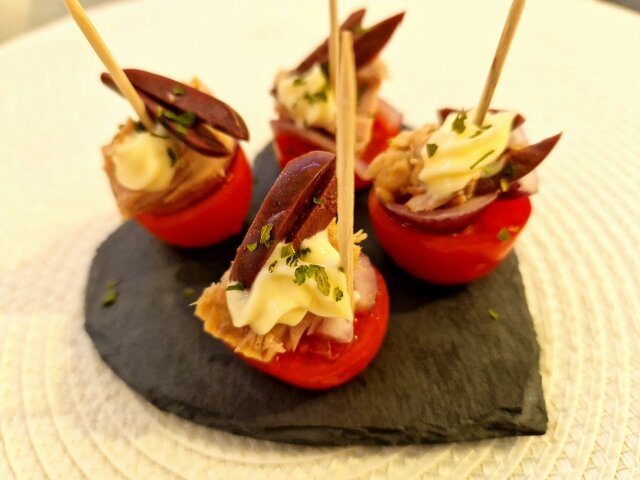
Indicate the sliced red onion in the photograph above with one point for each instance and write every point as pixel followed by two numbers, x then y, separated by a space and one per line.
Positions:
pixel 444 220
pixel 323 142
pixel 365 284
pixel 338 329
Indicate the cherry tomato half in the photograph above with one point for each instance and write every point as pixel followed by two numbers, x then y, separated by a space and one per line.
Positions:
pixel 211 219
pixel 454 258
pixel 289 146
pixel 318 363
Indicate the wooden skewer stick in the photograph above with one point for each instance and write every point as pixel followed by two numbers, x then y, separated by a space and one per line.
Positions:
pixel 509 30
pixel 334 43
pixel 346 140
pixel 118 75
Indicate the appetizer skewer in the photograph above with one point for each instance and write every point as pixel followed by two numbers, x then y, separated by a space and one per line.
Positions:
pixel 179 171
pixel 450 199
pixel 305 98
pixel 300 301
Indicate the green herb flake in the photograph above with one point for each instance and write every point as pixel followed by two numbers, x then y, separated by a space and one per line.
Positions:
pixel 300 274
pixel 481 159
pixel 318 201
pixel 493 314
pixel 235 286
pixel 432 148
pixel 188 292
pixel 305 251
pixel 286 251
pixel 503 235
pixel 292 260
pixel 139 127
pixel 338 294
pixel 317 97
pixel 111 294
pixel 252 246
pixel 178 91
pixel 477 134
pixel 172 156
pixel 299 81
pixel 158 136
pixel 504 185
pixel 265 234
pixel 509 170
pixel 322 281
pixel 272 266
pixel 458 124
pixel 186 119
pixel 181 130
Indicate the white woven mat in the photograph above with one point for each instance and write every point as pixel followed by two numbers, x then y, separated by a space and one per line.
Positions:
pixel 574 66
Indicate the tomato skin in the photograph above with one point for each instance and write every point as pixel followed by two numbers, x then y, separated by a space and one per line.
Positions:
pixel 210 220
pixel 288 147
pixel 316 372
pixel 456 258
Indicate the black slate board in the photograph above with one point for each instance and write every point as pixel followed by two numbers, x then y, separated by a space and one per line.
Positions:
pixel 447 371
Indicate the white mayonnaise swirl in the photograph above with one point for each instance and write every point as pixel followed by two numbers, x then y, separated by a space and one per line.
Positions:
pixel 308 98
pixel 459 152
pixel 144 161
pixel 275 297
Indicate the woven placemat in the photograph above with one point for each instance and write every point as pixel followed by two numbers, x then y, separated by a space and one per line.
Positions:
pixel 64 414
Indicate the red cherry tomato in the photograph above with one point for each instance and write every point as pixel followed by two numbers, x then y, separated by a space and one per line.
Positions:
pixel 288 146
pixel 452 258
pixel 318 363
pixel 211 219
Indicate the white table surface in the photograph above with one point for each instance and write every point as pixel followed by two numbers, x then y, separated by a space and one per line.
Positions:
pixel 574 67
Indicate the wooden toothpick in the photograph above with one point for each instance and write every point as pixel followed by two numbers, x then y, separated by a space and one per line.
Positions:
pixel 118 75
pixel 346 140
pixel 334 40
pixel 508 32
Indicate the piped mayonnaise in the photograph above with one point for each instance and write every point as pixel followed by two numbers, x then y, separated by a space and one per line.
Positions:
pixel 459 152
pixel 308 98
pixel 144 161
pixel 276 298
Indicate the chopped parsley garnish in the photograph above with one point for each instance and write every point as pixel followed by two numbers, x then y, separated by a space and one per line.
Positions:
pixel 181 130
pixel 508 170
pixel 272 266
pixel 493 314
pixel 110 295
pixel 480 130
pixel 504 185
pixel 292 260
pixel 318 273
pixel 265 234
pixel 252 246
pixel 172 156
pixel 481 159
pixel 312 98
pixel 178 91
pixel 286 251
pixel 338 294
pixel 318 201
pixel 458 124
pixel 186 119
pixel 236 286
pixel 188 292
pixel 503 235
pixel 299 81
pixel 432 148
pixel 305 250
pixel 322 280
pixel 139 127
